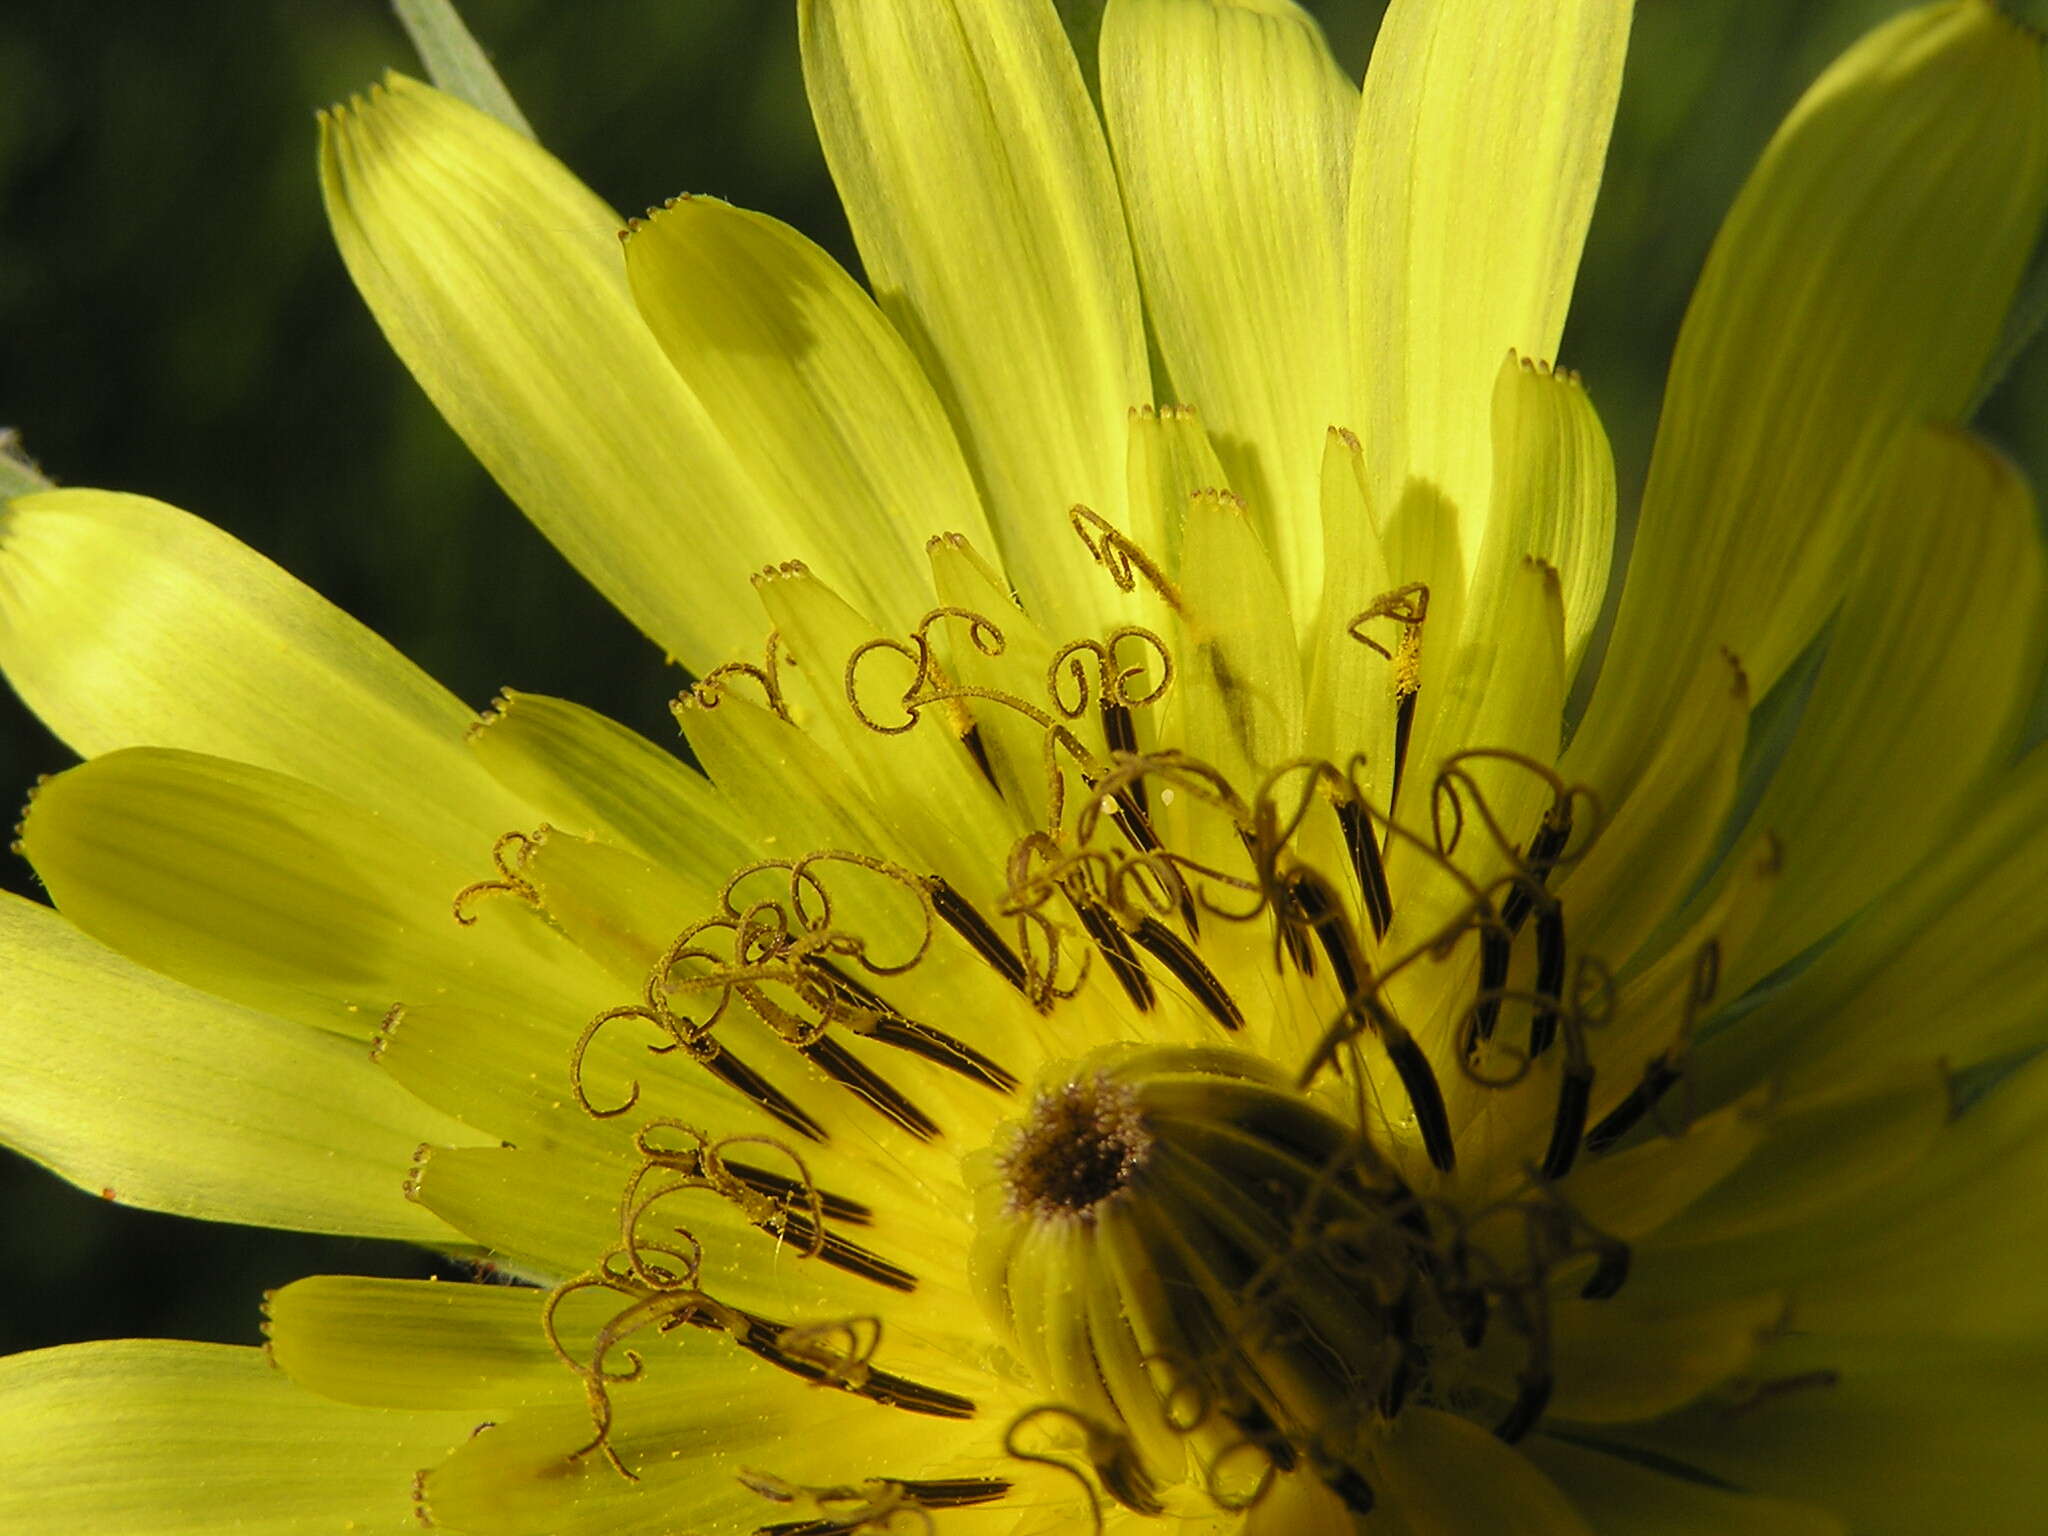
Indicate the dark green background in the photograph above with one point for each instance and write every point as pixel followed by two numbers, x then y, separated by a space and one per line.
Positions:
pixel 173 320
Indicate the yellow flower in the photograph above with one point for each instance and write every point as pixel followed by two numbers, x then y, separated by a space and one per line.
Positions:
pixel 1144 1018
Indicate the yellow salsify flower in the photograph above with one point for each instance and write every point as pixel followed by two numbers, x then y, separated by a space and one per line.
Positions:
pixel 1143 1020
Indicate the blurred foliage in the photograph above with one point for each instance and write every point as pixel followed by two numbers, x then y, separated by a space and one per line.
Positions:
pixel 173 320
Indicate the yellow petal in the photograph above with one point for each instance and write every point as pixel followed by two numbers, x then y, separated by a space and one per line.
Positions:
pixel 1655 839
pixel 1821 1151
pixel 1171 458
pixel 1553 490
pixel 504 1073
pixel 1232 128
pixel 1502 692
pixel 264 889
pixel 1947 964
pixel 125 623
pixel 1004 660
pixel 149 1093
pixel 1956 1248
pixel 1464 818
pixel 816 394
pixel 497 278
pixel 1633 1193
pixel 1656 1014
pixel 544 1215
pixel 592 775
pixel 705 1411
pixel 510 1075
pixel 1827 1160
pixel 1931 665
pixel 552 1215
pixel 1620 1494
pixel 979 189
pixel 1857 284
pixel 1351 696
pixel 798 799
pixel 1473 179
pixel 1900 1441
pixel 1619 1360
pixel 855 680
pixel 1447 1476
pixel 416 1343
pixel 1239 693
pixel 138 1437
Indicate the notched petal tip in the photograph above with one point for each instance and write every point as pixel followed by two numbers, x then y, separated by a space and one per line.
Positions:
pixel 499 707
pixel 19 846
pixel 655 215
pixel 787 570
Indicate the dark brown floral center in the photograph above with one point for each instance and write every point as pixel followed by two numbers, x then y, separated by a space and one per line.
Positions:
pixel 1082 1143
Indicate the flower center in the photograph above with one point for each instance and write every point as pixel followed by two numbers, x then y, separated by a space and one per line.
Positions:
pixel 1083 1143
pixel 1249 1287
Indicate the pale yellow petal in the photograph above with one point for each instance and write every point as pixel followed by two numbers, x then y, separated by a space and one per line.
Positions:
pixel 1479 150
pixel 416 1343
pixel 267 890
pixel 1553 490
pixel 1821 1151
pixel 498 279
pixel 1351 702
pixel 816 394
pixel 705 1411
pixel 1858 284
pixel 544 1215
pixel 147 1092
pixel 1653 842
pixel 849 687
pixel 1232 128
pixel 589 774
pixel 138 1437
pixel 1633 1193
pixel 126 623
pixel 1931 665
pixel 1947 964
pixel 1468 802
pixel 1239 688
pixel 1004 661
pixel 980 193
pixel 1171 457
